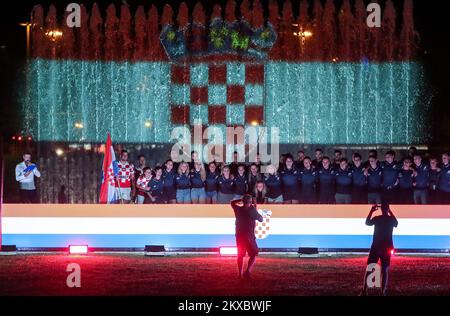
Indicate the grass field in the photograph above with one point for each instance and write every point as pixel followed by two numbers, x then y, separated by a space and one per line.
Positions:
pixel 132 274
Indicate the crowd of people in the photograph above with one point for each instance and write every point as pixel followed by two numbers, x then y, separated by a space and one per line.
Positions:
pixel 302 180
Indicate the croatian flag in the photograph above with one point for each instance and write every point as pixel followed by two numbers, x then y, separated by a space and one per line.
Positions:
pixel 108 192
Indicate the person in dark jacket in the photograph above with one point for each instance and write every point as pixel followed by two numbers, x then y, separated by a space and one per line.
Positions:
pixel 343 178
pixel 272 180
pixel 337 159
pixel 299 162
pixel 254 176
pixel 382 245
pixel 246 215
pixel 444 180
pixel 308 182
pixel 198 178
pixel 326 182
pixel 390 171
pixel 317 163
pixel 435 172
pixel 225 186
pixel 359 179
pixel 183 184
pixel 406 182
pixel 156 185
pixel 289 182
pixel 169 191
pixel 421 180
pixel 240 183
pixel 374 179
pixel 211 182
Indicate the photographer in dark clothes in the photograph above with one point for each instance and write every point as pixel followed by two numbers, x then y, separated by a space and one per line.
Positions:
pixel 382 244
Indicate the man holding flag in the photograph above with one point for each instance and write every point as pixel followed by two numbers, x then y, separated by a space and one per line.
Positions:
pixel 109 194
pixel 125 178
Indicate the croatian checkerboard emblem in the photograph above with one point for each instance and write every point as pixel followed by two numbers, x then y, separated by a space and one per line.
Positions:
pixel 217 73
pixel 262 229
pixel 220 94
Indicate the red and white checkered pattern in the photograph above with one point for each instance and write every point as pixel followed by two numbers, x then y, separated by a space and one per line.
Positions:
pixel 234 94
pixel 142 181
pixel 111 177
pixel 262 229
pixel 125 174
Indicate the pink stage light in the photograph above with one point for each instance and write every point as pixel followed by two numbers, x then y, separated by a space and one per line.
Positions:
pixel 392 252
pixel 78 249
pixel 228 251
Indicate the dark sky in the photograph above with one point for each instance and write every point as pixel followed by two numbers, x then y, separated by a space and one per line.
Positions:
pixel 431 21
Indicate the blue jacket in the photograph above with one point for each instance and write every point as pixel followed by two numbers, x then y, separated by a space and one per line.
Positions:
pixel 226 186
pixel 405 179
pixel 169 179
pixel 344 179
pixel 196 180
pixel 444 178
pixel 211 182
pixel 156 187
pixel 390 174
pixel 359 178
pixel 374 179
pixel 289 179
pixel 308 178
pixel 240 184
pixel 326 178
pixel 273 184
pixel 422 179
pixel 182 182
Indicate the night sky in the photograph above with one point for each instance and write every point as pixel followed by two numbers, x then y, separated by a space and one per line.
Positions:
pixel 431 20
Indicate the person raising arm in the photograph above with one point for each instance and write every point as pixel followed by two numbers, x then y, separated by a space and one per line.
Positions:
pixel 246 214
pixel 382 244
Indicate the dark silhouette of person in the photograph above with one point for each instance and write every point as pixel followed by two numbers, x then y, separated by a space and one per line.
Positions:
pixel 246 215
pixel 62 197
pixel 382 244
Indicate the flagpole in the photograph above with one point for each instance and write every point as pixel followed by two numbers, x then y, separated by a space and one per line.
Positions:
pixel 120 193
pixel 2 176
pixel 110 165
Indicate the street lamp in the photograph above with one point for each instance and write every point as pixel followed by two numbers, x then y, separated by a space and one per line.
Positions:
pixel 79 125
pixel 28 28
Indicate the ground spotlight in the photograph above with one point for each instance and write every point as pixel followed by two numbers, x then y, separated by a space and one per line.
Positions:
pixel 78 249
pixel 155 250
pixel 228 251
pixel 8 250
pixel 308 251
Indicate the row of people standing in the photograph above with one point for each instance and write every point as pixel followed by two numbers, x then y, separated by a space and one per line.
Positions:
pixel 410 181
pixel 185 185
pixel 319 181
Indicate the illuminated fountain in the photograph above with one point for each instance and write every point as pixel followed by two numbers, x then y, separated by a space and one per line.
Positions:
pixel 319 88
